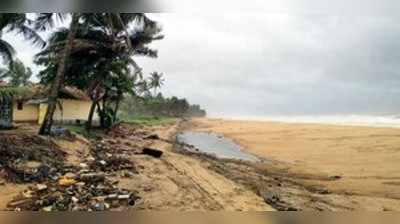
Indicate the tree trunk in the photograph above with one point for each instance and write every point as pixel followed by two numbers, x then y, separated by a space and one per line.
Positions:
pixel 116 107
pixel 91 113
pixel 57 83
pixel 101 117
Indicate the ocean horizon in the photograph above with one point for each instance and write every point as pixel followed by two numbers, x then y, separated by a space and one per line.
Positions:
pixel 392 121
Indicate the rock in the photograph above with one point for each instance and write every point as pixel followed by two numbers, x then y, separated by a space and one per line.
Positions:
pixel 41 187
pixel 152 152
pixel 102 162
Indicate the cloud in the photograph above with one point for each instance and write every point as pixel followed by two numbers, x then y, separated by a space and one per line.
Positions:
pixel 292 59
pixel 280 63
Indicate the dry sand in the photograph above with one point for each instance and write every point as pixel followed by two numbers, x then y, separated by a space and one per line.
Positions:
pixel 366 158
pixel 174 182
pixel 177 182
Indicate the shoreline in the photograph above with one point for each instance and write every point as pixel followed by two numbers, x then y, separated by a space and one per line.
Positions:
pixel 289 120
pixel 362 160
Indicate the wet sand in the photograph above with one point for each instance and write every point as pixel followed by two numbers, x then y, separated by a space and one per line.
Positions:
pixel 366 160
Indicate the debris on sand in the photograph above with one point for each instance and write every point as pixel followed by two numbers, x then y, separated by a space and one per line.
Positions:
pixel 81 187
pixel 29 158
pixel 152 152
pixel 91 193
pixel 107 158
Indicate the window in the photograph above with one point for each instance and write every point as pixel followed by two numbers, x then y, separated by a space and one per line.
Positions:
pixel 20 106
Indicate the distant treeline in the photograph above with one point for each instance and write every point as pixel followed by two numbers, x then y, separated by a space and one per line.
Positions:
pixel 160 106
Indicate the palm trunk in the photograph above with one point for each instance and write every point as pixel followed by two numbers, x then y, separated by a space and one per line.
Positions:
pixel 100 114
pixel 52 100
pixel 91 113
pixel 103 113
pixel 117 103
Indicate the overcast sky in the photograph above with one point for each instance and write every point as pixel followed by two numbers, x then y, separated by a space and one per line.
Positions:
pixel 292 59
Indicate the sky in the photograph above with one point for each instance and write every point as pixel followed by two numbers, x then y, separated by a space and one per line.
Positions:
pixel 278 59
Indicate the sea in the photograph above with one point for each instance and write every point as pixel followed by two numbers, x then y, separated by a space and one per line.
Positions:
pixel 352 120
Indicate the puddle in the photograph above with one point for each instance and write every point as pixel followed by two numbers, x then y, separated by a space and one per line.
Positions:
pixel 212 143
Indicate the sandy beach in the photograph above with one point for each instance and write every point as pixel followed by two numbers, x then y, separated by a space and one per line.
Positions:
pixel 365 160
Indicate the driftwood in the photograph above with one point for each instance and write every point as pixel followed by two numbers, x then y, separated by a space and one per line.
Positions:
pixel 152 152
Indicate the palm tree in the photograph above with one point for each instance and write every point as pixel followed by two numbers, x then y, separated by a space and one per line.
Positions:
pixel 45 129
pixel 17 74
pixel 156 81
pixel 100 39
pixel 19 23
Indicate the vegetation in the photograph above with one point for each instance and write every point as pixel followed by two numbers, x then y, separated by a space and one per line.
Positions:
pixel 16 73
pixel 161 107
pixel 22 25
pixel 95 54
pixel 145 120
pixel 101 61
pixel 156 81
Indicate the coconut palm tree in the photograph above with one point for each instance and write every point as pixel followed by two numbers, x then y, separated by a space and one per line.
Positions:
pixel 45 129
pixel 156 81
pixel 100 39
pixel 19 23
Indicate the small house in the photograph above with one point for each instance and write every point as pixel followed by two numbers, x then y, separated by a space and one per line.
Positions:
pixel 31 106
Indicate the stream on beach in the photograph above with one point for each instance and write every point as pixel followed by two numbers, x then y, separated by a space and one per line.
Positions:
pixel 211 143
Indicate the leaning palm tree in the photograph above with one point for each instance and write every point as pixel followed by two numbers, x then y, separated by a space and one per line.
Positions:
pixel 19 23
pixel 43 21
pixel 156 81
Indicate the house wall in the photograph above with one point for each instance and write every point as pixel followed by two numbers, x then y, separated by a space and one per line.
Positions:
pixel 72 110
pixel 29 112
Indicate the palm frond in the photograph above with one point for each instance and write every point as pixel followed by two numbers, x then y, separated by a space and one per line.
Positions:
pixel 7 52
pixel 47 21
pixel 31 35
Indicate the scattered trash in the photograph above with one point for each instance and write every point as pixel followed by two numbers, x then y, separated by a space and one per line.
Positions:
pixel 95 195
pixel 92 177
pixel 30 158
pixel 41 187
pixel 66 181
pixel 108 159
pixel 82 187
